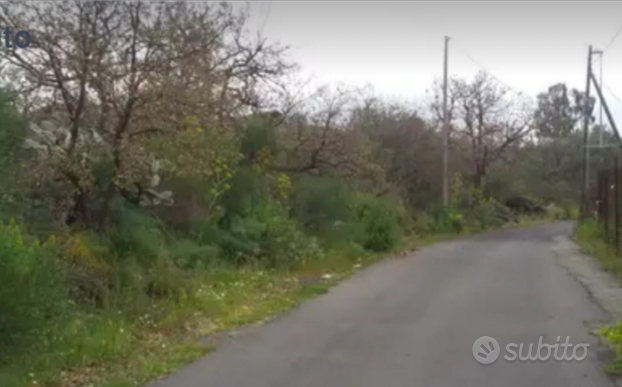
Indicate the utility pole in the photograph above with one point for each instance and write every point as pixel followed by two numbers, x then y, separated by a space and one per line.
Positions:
pixel 587 115
pixel 603 103
pixel 445 130
pixel 586 125
pixel 600 123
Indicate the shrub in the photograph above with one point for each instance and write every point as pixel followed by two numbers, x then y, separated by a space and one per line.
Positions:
pixel 377 224
pixel 612 335
pixel 248 190
pixel 423 224
pixel 89 273
pixel 556 213
pixel 187 254
pixel 282 243
pixel 447 219
pixel 570 211
pixel 241 238
pixel 265 235
pixel 137 234
pixel 258 140
pixel 165 280
pixel 14 202
pixel 33 292
pixel 320 203
pixel 490 213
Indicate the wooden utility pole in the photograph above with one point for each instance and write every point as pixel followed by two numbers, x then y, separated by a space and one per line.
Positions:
pixel 604 105
pixel 586 127
pixel 600 121
pixel 445 130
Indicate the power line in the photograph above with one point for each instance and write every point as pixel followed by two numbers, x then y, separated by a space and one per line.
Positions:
pixel 477 63
pixel 612 93
pixel 611 41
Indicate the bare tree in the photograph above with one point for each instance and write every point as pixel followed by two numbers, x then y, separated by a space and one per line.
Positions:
pixel 319 137
pixel 486 121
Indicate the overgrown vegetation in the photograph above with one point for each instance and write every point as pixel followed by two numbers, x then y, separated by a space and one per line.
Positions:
pixel 162 180
pixel 592 240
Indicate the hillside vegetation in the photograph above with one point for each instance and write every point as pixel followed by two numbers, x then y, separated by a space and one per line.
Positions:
pixel 165 175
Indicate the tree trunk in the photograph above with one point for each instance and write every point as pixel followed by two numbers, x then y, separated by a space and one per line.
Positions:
pixel 478 177
pixel 81 214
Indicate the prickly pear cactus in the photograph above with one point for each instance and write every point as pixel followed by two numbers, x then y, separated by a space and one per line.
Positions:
pixel 52 142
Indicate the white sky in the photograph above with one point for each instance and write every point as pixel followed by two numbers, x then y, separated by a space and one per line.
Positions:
pixel 398 46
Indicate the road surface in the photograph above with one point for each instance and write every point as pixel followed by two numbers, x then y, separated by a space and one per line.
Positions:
pixel 412 322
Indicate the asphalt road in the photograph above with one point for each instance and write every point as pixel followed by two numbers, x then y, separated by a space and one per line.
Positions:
pixel 412 322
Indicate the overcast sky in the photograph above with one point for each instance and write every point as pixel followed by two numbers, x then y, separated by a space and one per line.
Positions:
pixel 398 46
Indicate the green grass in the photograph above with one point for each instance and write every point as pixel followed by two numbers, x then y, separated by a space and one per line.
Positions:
pixel 591 240
pixel 125 348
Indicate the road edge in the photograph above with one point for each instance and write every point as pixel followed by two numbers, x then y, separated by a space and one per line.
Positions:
pixel 602 288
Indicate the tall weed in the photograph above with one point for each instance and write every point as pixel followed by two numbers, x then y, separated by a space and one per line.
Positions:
pixel 33 292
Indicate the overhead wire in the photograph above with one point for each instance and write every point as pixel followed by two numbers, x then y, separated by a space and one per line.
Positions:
pixel 612 93
pixel 522 94
pixel 614 38
pixel 611 41
pixel 599 59
pixel 477 63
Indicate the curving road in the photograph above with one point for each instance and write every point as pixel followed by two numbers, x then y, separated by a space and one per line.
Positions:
pixel 412 322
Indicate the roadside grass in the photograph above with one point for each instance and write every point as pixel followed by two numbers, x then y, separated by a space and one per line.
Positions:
pixel 115 350
pixel 591 240
pixel 121 349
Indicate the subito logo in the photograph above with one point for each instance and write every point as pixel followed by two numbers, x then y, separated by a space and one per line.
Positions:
pixel 486 350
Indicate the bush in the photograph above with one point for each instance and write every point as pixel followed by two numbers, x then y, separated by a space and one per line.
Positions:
pixel 556 213
pixel 489 213
pixel 319 203
pixel 612 335
pixel 258 140
pixel 33 292
pixel 571 211
pixel 377 224
pixel 240 241
pixel 89 274
pixel 447 220
pixel 265 235
pixel 167 281
pixel 137 234
pixel 187 254
pixel 14 203
pixel 248 190
pixel 423 224
pixel 281 242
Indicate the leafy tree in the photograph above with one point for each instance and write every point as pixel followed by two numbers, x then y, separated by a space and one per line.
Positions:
pixel 558 111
